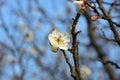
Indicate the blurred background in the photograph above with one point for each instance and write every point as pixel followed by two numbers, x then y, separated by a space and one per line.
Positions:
pixel 25 52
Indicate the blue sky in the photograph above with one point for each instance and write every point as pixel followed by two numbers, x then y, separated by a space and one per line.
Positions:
pixel 55 10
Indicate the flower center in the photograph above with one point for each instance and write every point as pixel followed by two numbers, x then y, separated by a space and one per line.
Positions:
pixel 58 40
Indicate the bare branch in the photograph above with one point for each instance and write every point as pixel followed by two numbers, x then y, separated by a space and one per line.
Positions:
pixel 103 17
pixel 70 65
pixel 101 54
pixel 112 63
pixel 75 46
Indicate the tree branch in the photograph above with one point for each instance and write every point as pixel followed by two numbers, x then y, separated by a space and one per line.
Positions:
pixel 103 17
pixel 98 49
pixel 75 46
pixel 70 65
pixel 112 27
pixel 112 63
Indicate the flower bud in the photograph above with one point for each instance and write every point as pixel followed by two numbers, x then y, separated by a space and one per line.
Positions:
pixel 81 6
pixel 93 5
pixel 95 17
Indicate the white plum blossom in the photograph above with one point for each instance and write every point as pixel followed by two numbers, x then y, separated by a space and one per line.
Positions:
pixel 81 6
pixel 59 40
pixel 85 71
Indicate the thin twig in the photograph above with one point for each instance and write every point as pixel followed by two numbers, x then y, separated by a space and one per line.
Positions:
pixel 112 63
pixel 103 17
pixel 70 65
pixel 112 27
pixel 111 6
